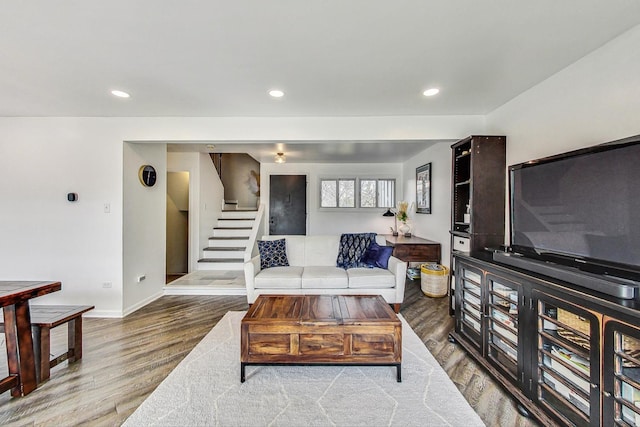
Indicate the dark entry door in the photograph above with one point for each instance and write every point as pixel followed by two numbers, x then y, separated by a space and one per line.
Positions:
pixel 288 204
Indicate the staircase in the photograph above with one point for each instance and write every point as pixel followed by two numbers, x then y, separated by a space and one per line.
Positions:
pixel 226 250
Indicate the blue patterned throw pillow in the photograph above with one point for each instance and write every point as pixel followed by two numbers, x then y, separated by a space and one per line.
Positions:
pixel 377 256
pixel 352 247
pixel 273 253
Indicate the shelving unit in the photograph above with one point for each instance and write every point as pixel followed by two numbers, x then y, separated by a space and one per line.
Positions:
pixel 564 361
pixel 502 342
pixel 477 196
pixel 622 376
pixel 568 355
pixel 470 305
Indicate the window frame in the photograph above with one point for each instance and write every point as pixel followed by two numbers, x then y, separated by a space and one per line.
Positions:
pixel 357 182
pixel 377 190
pixel 337 186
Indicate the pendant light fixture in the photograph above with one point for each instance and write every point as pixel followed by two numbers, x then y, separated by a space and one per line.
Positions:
pixel 280 158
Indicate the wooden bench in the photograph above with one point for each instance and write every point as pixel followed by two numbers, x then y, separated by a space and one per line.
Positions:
pixel 43 319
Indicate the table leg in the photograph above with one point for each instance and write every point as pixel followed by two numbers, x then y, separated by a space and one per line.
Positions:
pixel 242 365
pixel 13 362
pixel 20 355
pixel 25 348
pixel 74 339
pixel 399 372
pixel 37 353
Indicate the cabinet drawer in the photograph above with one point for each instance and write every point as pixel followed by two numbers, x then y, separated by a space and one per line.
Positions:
pixel 461 244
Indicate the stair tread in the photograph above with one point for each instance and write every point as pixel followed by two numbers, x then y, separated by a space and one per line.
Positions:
pixel 224 248
pixel 229 238
pixel 221 260
pixel 232 228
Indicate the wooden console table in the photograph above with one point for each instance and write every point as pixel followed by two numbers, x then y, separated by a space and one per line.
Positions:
pixel 14 300
pixel 414 249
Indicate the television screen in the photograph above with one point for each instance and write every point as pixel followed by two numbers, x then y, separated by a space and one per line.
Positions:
pixel 580 208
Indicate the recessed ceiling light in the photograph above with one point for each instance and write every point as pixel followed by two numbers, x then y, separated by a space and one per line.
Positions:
pixel 431 92
pixel 276 93
pixel 120 94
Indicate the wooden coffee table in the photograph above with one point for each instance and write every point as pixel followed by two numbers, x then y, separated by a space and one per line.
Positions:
pixel 320 330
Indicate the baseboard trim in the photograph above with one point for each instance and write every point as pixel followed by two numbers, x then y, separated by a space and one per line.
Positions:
pixel 142 303
pixel 114 314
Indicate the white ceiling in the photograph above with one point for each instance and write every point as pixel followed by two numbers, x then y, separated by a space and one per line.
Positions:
pixel 195 58
pixel 391 151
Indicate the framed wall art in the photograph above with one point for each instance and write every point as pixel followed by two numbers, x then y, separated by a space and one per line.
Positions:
pixel 423 189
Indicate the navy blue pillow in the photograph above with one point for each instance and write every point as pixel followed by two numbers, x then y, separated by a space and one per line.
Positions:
pixel 377 256
pixel 352 247
pixel 273 253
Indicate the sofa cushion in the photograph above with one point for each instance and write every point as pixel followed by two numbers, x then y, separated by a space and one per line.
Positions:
pixel 352 247
pixel 279 278
pixel 321 250
pixel 273 253
pixel 323 277
pixel 377 256
pixel 295 250
pixel 368 278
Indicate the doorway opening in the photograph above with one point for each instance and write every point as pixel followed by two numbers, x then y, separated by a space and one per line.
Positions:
pixel 177 256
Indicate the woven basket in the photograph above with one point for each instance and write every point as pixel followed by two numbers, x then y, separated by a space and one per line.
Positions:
pixel 434 280
pixel 573 320
pixel 576 323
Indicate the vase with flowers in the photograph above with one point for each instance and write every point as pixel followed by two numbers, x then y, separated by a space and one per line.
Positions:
pixel 403 217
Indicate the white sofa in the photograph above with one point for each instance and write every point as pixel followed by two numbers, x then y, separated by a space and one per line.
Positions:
pixel 312 270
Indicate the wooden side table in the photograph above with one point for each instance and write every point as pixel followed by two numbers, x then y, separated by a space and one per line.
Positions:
pixel 414 249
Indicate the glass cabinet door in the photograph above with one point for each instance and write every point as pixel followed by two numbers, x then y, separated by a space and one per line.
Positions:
pixel 469 303
pixel 503 301
pixel 622 374
pixel 567 374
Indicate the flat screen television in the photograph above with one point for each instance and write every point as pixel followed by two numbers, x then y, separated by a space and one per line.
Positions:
pixel 580 209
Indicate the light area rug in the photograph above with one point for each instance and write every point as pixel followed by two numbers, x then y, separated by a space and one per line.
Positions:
pixel 205 390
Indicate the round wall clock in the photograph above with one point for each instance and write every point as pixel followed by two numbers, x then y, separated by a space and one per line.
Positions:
pixel 147 175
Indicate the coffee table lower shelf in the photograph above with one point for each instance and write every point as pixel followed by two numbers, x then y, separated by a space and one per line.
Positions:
pixel 397 365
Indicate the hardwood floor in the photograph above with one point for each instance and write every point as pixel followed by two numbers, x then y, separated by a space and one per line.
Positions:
pixel 125 359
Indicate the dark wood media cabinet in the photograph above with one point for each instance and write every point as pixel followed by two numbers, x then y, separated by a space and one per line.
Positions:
pixel 568 355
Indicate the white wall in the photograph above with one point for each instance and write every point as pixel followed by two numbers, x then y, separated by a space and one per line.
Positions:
pixel 436 225
pixel 45 237
pixel 236 171
pixel 144 226
pixel 594 100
